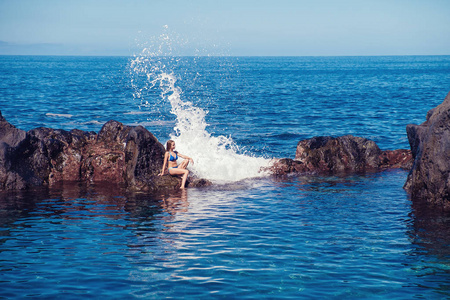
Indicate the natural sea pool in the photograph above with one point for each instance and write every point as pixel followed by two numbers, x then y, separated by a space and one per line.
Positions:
pixel 338 237
pixel 299 237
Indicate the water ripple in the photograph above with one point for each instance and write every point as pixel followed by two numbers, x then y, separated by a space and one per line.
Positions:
pixel 311 237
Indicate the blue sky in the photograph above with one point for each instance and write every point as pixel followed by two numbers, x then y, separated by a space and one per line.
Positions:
pixel 242 27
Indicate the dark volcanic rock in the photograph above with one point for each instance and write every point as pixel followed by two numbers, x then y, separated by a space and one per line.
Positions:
pixel 341 155
pixel 197 182
pixel 286 166
pixel 10 138
pixel 118 154
pixel 396 159
pixel 429 179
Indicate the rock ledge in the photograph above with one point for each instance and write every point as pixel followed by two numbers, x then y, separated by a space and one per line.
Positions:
pixel 341 155
pixel 118 154
pixel 429 179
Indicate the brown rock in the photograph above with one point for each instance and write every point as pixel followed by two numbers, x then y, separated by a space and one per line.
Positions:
pixel 429 179
pixel 341 155
pixel 396 159
pixel 118 154
pixel 337 155
pixel 286 166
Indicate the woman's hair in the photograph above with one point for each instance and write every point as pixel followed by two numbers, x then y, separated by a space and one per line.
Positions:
pixel 169 145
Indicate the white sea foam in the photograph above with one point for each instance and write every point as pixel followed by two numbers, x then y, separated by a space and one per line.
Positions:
pixel 153 123
pixel 93 122
pixel 138 113
pixel 216 158
pixel 59 115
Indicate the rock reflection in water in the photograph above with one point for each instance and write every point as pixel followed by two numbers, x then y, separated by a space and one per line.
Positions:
pixel 431 232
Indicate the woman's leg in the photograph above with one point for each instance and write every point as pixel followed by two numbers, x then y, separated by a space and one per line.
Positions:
pixel 184 164
pixel 180 171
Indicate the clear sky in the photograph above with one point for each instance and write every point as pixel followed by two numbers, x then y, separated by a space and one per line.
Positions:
pixel 228 27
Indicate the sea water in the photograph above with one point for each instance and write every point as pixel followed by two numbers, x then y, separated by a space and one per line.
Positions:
pixel 250 235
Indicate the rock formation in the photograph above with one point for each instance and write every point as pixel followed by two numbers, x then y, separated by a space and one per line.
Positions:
pixel 119 154
pixel 341 155
pixel 132 157
pixel 429 179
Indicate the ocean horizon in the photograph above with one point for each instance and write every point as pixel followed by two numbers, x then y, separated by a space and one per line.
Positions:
pixel 225 55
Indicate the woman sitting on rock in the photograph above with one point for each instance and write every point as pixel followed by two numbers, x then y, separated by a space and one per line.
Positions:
pixel 170 158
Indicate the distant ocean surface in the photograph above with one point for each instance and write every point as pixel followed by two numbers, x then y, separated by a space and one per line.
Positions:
pixel 250 235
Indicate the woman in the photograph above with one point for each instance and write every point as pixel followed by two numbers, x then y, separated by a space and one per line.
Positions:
pixel 170 158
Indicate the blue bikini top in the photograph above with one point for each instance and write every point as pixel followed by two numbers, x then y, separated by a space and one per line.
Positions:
pixel 171 158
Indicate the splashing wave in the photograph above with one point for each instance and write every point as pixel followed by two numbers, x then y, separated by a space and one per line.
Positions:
pixel 217 158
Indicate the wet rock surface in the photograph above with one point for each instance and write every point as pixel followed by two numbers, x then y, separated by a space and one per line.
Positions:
pixel 429 180
pixel 341 155
pixel 132 157
pixel 118 154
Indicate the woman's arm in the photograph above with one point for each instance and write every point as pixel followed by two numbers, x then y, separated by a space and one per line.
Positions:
pixel 166 156
pixel 185 157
